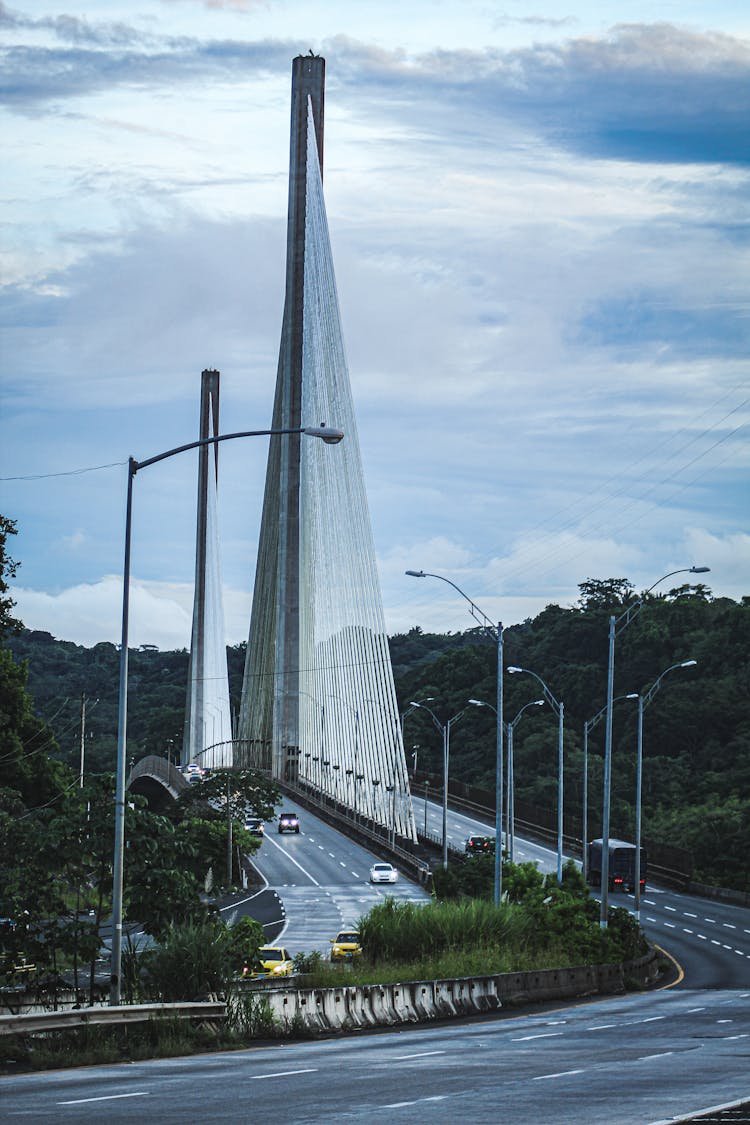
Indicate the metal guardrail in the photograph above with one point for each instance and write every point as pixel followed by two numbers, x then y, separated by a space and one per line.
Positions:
pixel 117 1014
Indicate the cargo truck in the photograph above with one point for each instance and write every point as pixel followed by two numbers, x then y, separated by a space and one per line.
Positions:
pixel 621 865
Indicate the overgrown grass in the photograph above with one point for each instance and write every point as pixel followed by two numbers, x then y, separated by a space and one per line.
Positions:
pixel 97 1045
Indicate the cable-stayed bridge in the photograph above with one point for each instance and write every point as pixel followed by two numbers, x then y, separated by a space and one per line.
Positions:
pixel 318 707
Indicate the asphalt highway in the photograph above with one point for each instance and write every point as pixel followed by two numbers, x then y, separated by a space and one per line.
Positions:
pixel 632 1060
pixel 322 882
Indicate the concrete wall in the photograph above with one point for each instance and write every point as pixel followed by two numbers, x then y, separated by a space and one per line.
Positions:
pixel 362 1006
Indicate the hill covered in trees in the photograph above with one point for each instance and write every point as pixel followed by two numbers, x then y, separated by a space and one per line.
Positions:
pixel 696 735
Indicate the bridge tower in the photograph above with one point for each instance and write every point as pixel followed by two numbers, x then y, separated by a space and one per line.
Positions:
pixel 318 702
pixel 208 733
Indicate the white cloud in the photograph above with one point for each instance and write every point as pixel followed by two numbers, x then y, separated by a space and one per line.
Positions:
pixel 161 613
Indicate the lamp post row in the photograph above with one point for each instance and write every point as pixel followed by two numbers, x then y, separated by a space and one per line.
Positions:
pixel 616 626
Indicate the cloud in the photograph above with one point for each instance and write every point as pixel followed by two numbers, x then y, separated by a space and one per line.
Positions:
pixel 727 555
pixel 161 613
pixel 643 92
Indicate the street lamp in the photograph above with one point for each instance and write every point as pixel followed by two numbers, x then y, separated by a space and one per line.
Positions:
pixel 643 701
pixel 510 830
pixel 587 726
pixel 496 633
pixel 616 626
pixel 445 730
pixel 325 433
pixel 558 709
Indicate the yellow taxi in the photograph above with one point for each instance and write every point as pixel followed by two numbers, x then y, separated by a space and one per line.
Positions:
pixel 273 961
pixel 345 946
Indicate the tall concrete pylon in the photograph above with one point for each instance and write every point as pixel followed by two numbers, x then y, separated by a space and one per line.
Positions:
pixel 208 733
pixel 318 701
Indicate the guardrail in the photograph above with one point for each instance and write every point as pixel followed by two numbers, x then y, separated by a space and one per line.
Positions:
pixel 116 1014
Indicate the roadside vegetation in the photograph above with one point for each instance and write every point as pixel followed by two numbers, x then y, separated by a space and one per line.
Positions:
pixel 540 926
pixel 696 734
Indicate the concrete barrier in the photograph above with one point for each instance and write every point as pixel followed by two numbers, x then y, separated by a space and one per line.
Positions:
pixel 363 1006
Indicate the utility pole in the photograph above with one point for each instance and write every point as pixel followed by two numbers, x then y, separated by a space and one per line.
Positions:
pixel 83 734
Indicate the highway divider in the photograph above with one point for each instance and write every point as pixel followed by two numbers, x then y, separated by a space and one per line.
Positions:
pixel 351 1007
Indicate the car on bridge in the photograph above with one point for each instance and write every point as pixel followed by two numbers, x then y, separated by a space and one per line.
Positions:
pixel 383 873
pixel 288 822
pixel 345 946
pixel 254 825
pixel 479 845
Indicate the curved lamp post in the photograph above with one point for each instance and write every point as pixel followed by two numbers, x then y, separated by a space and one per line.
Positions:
pixel 643 701
pixel 587 726
pixel 445 730
pixel 325 433
pixel 510 828
pixel 496 633
pixel 616 626
pixel 559 709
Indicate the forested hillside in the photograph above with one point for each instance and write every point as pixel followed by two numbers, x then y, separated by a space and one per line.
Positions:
pixel 696 736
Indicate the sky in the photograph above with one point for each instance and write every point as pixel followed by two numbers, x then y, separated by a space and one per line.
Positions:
pixel 539 220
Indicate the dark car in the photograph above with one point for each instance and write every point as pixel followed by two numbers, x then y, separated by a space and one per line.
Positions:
pixel 289 822
pixel 480 845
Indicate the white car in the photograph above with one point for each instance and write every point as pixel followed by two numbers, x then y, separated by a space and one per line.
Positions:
pixel 383 873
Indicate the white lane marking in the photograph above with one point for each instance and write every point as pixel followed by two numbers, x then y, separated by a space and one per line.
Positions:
pixel 727 947
pixel 725 1021
pixel 710 920
pixel 649 902
pixel 284 1073
pixel 702 937
pixel 739 952
pixel 729 925
pixel 541 1035
pixel 715 942
pixel 650 919
pixel 671 925
pixel 653 1019
pixel 400 1105
pixel 321 848
pixel 672 908
pixel 356 875
pixel 560 1074
pixel 688 914
pixel 685 930
pixel 332 855
pixel 341 863
pixel 106 1098
pixel 663 1055
pixel 419 1055
pixel 294 861
pixel 601 1026
pixel 691 1010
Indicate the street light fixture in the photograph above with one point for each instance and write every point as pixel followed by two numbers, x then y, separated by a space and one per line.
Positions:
pixel 643 701
pixel 510 828
pixel 496 633
pixel 616 626
pixel 445 730
pixel 587 726
pixel 558 709
pixel 327 434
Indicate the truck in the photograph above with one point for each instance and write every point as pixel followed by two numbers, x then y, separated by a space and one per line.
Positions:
pixel 621 868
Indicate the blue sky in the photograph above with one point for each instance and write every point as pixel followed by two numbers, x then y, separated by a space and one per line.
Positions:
pixel 539 217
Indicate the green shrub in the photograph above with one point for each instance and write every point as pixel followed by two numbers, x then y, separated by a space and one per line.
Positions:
pixel 194 962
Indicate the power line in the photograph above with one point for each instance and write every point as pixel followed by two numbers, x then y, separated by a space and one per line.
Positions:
pixel 69 472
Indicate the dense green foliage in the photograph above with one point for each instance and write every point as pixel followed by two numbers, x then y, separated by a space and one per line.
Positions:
pixel 56 837
pixel 696 735
pixel 696 732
